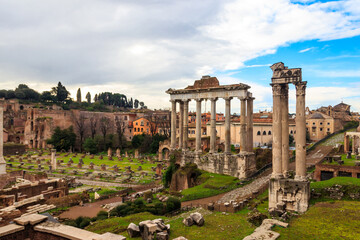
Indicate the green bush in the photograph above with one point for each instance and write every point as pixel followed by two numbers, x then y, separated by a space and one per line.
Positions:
pixel 173 204
pixel 102 215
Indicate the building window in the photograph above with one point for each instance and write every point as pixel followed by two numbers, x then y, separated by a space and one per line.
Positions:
pixel 321 123
pixel 307 123
pixel 314 129
pixel 328 129
pixel 291 132
pixel 136 123
pixel 258 133
pixel 264 133
pixel 313 123
pixel 320 129
pixel 147 124
pixel 328 123
pixel 269 133
pixel 125 118
pixel 142 129
pixel 142 123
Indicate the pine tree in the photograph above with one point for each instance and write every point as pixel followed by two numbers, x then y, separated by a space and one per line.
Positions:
pixel 88 97
pixel 78 96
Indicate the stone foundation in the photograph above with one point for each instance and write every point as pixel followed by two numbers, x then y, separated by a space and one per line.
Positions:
pixel 289 194
pixel 241 165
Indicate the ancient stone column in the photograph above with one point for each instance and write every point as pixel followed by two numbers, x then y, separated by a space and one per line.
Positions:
pixel 277 135
pixel 346 143
pixel 173 124
pixel 53 159
pixel 285 129
pixel 353 145
pixel 213 126
pixel 181 124
pixel 300 132
pixel 2 161
pixel 186 125
pixel 243 125
pixel 198 125
pixel 227 125
pixel 249 124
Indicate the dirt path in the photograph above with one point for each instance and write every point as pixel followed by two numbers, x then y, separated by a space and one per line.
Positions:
pixel 202 200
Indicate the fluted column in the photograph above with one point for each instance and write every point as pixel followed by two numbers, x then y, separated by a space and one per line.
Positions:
pixel 249 124
pixel 276 152
pixel 285 129
pixel 186 124
pixel 213 126
pixel 300 137
pixel 198 125
pixel 173 124
pixel 2 161
pixel 243 125
pixel 181 124
pixel 227 125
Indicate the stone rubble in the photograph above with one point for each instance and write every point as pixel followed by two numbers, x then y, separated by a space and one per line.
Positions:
pixel 264 231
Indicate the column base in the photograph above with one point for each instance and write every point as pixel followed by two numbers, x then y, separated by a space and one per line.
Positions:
pixel 286 174
pixel 277 175
pixel 300 178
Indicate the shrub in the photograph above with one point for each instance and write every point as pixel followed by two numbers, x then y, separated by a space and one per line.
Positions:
pixel 147 195
pixel 102 215
pixel 173 204
pixel 84 223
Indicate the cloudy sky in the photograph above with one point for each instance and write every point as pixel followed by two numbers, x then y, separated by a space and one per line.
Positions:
pixel 143 47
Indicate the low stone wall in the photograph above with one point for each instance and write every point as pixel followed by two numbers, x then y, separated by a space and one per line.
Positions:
pixel 337 170
pixel 37 188
pixel 13 149
pixel 241 166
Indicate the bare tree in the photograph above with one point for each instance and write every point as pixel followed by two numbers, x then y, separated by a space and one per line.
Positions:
pixel 93 124
pixel 120 130
pixel 80 127
pixel 104 126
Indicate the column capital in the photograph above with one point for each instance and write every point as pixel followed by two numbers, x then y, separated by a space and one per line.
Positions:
pixel 213 99
pixel 228 98
pixel 242 98
pixel 198 99
pixel 276 89
pixel 284 90
pixel 186 100
pixel 300 88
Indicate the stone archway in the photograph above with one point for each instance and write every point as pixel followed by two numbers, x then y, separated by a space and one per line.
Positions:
pixel 164 147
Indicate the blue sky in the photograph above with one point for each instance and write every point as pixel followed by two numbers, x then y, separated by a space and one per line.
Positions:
pixel 142 48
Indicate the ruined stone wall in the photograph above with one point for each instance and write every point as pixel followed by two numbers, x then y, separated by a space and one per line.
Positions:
pixel 354 171
pixel 34 189
pixel 240 165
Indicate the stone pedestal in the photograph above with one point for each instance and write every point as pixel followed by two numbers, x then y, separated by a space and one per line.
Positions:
pixel 289 194
pixel 53 159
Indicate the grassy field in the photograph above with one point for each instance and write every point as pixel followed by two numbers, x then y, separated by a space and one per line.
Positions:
pixel 347 162
pixel 325 221
pixel 217 226
pixel 338 180
pixel 125 162
pixel 212 184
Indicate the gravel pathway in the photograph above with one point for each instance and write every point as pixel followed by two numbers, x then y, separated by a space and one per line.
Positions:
pixel 247 190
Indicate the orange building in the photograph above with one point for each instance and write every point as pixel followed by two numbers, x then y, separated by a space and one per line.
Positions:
pixel 142 125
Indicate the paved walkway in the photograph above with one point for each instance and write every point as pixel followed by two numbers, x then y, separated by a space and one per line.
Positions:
pixel 247 190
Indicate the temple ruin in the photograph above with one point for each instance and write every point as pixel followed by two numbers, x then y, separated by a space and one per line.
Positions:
pixel 240 165
pixel 286 193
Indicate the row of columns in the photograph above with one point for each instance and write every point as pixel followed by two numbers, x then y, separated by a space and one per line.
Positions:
pixel 246 124
pixel 347 143
pixel 281 131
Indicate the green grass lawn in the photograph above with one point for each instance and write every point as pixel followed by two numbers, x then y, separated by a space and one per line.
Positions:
pixel 325 221
pixel 212 184
pixel 217 226
pixel 338 180
pixel 347 162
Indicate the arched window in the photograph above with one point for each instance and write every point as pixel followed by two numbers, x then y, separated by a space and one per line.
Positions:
pixel 269 133
pixel 291 132
pixel 258 133
pixel 264 133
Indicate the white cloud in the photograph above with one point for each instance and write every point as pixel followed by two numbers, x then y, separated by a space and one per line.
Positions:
pixel 141 48
pixel 306 50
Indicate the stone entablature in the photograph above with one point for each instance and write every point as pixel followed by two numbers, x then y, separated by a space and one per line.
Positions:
pixel 240 165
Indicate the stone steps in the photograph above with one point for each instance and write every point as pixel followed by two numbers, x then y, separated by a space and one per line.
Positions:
pixel 38 209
